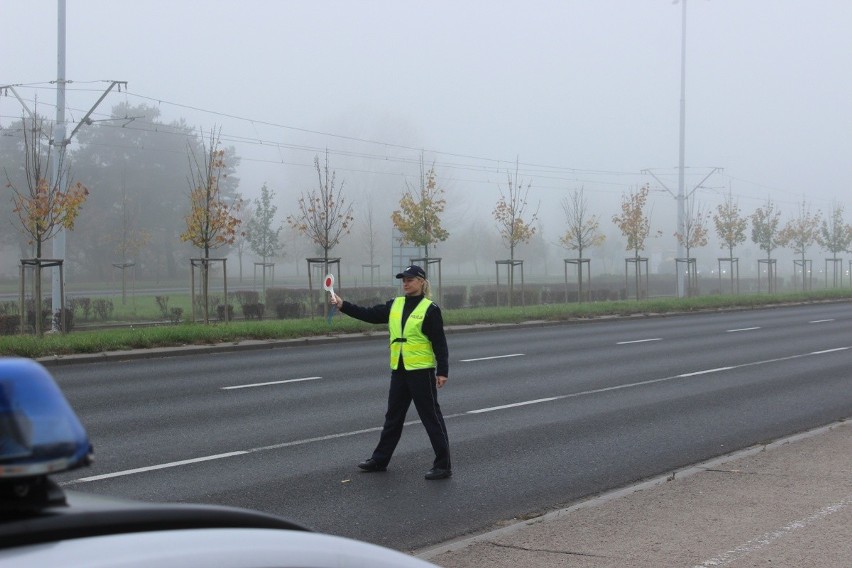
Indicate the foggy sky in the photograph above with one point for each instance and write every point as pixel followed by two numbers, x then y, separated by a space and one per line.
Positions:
pixel 583 93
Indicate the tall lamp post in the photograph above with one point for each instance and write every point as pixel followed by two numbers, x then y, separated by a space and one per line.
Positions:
pixel 681 197
pixel 60 142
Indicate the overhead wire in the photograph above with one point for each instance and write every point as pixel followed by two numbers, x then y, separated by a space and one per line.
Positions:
pixel 452 161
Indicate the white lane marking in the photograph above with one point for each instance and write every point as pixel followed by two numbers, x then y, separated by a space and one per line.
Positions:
pixel 378 429
pixel 705 372
pixel 639 341
pixel 271 383
pixel 503 407
pixel 663 379
pixel 768 538
pixel 821 321
pixel 829 351
pixel 156 467
pixel 742 329
pixel 489 358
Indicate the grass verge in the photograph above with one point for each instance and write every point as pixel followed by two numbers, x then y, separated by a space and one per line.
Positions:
pixel 198 334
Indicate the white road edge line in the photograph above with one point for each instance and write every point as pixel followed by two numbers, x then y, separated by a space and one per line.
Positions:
pixel 821 321
pixel 618 493
pixel 639 341
pixel 271 383
pixel 479 411
pixel 768 538
pixel 489 358
pixel 741 329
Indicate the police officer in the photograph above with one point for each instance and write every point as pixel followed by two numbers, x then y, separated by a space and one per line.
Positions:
pixel 419 361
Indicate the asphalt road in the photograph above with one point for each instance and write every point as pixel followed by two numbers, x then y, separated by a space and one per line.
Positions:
pixel 538 417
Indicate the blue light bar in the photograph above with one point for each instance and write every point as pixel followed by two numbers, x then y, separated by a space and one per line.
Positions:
pixel 39 432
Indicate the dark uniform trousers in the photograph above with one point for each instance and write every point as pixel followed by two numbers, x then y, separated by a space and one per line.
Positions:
pixel 405 387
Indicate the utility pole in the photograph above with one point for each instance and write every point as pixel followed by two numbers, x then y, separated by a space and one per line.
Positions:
pixel 681 196
pixel 60 142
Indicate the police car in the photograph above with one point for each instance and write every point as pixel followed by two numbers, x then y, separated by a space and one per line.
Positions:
pixel 43 525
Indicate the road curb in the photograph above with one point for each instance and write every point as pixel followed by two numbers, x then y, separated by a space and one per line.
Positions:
pixel 604 498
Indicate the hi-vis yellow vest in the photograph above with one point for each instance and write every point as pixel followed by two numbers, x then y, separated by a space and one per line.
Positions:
pixel 415 347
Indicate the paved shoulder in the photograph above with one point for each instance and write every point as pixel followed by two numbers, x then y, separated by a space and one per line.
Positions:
pixel 788 504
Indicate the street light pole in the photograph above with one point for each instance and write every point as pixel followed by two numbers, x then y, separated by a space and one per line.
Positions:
pixel 59 145
pixel 681 196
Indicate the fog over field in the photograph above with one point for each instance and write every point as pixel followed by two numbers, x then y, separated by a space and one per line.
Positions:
pixel 564 94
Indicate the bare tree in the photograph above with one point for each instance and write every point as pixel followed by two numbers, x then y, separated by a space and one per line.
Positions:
pixel 694 235
pixel 129 242
pixel 800 233
pixel 583 230
pixel 370 236
pixel 241 241
pixel 514 225
pixel 323 215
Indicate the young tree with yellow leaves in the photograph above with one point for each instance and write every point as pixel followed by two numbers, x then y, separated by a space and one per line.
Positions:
pixel 800 233
pixel 211 222
pixel 694 235
pixel 635 224
pixel 731 228
pixel 764 233
pixel 835 236
pixel 418 218
pixel 764 227
pixel 44 206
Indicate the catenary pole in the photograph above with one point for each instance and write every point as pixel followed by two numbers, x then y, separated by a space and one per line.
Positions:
pixel 681 197
pixel 59 144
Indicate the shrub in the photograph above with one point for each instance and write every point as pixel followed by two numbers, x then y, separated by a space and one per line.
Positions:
pixel 69 319
pixel 9 308
pixel 82 305
pixel 246 298
pixel 220 312
pixel 175 314
pixel 163 304
pixel 103 308
pixel 453 297
pixel 252 311
pixel 284 299
pixel 288 310
pixel 9 324
pixel 45 313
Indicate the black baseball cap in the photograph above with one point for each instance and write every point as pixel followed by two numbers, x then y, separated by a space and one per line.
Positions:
pixel 412 271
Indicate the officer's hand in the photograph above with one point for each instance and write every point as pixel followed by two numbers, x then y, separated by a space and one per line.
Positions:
pixel 440 381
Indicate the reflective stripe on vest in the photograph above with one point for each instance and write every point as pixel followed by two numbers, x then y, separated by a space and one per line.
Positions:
pixel 415 347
